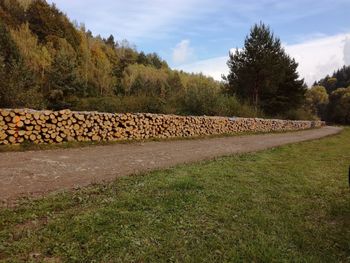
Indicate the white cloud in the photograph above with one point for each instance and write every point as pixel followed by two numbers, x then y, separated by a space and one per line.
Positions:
pixel 347 52
pixel 132 19
pixel 214 67
pixel 139 20
pixel 182 52
pixel 316 58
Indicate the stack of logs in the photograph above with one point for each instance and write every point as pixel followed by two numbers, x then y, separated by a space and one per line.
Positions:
pixel 20 125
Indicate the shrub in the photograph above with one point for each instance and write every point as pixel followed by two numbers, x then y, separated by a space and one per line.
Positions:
pixel 103 104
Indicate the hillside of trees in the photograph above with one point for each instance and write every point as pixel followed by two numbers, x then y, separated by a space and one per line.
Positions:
pixel 329 98
pixel 48 62
pixel 339 79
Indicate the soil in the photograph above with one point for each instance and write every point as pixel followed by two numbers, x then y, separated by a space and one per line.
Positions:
pixel 33 174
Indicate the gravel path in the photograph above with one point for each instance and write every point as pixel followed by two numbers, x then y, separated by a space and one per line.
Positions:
pixel 36 173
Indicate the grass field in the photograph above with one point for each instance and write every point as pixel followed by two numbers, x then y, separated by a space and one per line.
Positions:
pixel 286 204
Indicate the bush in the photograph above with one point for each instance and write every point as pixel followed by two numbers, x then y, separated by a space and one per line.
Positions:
pixel 132 104
pixel 103 104
pixel 231 106
pixel 143 103
pixel 191 103
pixel 299 114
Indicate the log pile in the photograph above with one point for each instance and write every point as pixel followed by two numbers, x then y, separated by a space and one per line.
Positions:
pixel 48 127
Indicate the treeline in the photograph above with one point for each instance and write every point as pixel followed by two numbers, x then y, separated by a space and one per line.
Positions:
pixel 329 98
pixel 48 62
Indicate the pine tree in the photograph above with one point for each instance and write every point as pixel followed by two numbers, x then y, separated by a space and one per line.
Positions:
pixel 110 41
pixel 64 78
pixel 263 74
pixel 142 59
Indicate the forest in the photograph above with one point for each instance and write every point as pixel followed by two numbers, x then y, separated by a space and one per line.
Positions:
pixel 48 62
pixel 329 98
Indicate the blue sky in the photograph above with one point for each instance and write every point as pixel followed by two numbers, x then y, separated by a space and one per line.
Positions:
pixel 196 35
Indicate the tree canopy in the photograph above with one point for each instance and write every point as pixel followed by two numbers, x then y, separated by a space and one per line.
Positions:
pixel 264 74
pixel 339 106
pixel 329 98
pixel 339 79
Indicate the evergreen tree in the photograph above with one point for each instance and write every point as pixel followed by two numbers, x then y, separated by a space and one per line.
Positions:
pixel 110 41
pixel 156 61
pixel 264 74
pixel 142 59
pixel 64 78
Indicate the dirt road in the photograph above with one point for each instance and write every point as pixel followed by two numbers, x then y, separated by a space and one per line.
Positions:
pixel 36 173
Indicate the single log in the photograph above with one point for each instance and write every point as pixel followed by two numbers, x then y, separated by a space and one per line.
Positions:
pixel 20 124
pixel 4 113
pixel 3 136
pixel 21 133
pixel 12 139
pixel 59 139
pixel 32 137
pixel 11 132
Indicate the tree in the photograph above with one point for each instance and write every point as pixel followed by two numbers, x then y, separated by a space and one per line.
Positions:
pixel 139 79
pixel 338 110
pixel 17 85
pixel 36 56
pixel 142 59
pixel 110 41
pixel 175 83
pixel 263 74
pixel 25 3
pixel 102 69
pixel 64 79
pixel 85 64
pixel 316 100
pixel 156 61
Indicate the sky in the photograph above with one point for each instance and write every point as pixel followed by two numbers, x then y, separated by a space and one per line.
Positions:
pixel 197 35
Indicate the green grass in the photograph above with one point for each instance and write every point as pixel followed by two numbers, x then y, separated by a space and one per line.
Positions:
pixel 289 204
